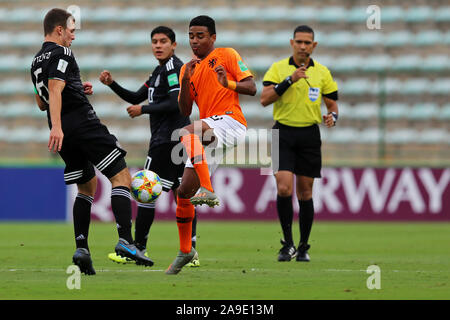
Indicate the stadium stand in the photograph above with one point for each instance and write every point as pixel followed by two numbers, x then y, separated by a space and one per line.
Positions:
pixel 393 82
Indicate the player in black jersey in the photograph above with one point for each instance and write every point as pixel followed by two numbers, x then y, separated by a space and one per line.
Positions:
pixel 80 138
pixel 161 92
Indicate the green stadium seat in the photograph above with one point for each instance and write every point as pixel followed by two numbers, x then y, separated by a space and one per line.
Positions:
pixel 392 14
pixel 10 63
pixel 22 15
pixel 442 14
pixel 260 63
pixel 35 112
pixel 343 136
pixel 348 63
pixel 419 14
pixel 161 14
pixel 86 38
pixel 118 61
pixel 4 132
pixel 436 63
pixel 356 15
pixel 444 113
pixel 254 38
pixel 428 38
pixel 15 86
pixel 406 63
pixel 144 62
pixel 279 38
pixel 111 38
pixel 99 87
pixel 5 39
pixel 16 110
pixel 21 135
pixel 109 109
pixel 227 38
pixel 364 111
pixel 369 136
pixel 439 86
pixel 368 39
pixel 134 14
pixel 104 14
pixel 345 110
pixel 416 86
pixel 91 62
pixel 137 38
pixel 332 14
pixel 357 86
pixel 423 111
pixel 300 13
pixel 246 14
pixel 274 13
pixel 376 63
pixel 433 136
pixel 339 39
pixel 391 85
pixel 186 13
pixel 221 13
pixel 395 111
pixel 27 39
pixel 41 135
pixel 401 136
pixel 398 38
pixel 326 61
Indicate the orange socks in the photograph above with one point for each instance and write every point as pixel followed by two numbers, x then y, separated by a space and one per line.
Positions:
pixel 196 153
pixel 185 214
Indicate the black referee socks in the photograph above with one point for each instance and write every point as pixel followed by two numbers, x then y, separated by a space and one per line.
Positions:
pixel 285 214
pixel 121 208
pixel 82 219
pixel 306 217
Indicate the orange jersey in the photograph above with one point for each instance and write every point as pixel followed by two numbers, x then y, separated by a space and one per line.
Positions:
pixel 209 95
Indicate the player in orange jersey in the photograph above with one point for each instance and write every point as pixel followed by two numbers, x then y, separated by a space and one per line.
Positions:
pixel 213 80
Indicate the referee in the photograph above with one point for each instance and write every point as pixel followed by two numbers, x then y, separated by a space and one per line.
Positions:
pixel 296 86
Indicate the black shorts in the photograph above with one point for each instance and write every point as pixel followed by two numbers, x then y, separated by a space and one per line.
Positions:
pixel 88 147
pixel 299 150
pixel 159 160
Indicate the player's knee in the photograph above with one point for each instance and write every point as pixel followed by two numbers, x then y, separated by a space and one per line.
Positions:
pixel 186 192
pixel 284 190
pixel 89 188
pixel 304 195
pixel 123 178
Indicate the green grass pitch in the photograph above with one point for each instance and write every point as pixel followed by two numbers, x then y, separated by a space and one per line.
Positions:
pixel 238 261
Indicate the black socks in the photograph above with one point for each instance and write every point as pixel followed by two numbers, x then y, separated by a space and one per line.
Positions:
pixel 82 219
pixel 286 214
pixel 306 217
pixel 121 207
pixel 144 221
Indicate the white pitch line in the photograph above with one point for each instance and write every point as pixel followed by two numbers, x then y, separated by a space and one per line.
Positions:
pixel 63 270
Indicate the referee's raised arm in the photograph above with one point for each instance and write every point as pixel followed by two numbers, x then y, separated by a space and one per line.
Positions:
pixel 273 91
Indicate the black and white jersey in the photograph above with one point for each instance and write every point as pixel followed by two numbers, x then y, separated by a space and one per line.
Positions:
pixel 163 85
pixel 57 62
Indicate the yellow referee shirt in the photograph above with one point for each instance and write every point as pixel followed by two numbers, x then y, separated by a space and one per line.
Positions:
pixel 299 106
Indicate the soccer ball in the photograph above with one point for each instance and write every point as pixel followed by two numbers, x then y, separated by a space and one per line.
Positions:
pixel 145 186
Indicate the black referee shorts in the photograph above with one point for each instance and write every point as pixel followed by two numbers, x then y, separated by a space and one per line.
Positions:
pixel 159 160
pixel 91 146
pixel 299 150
